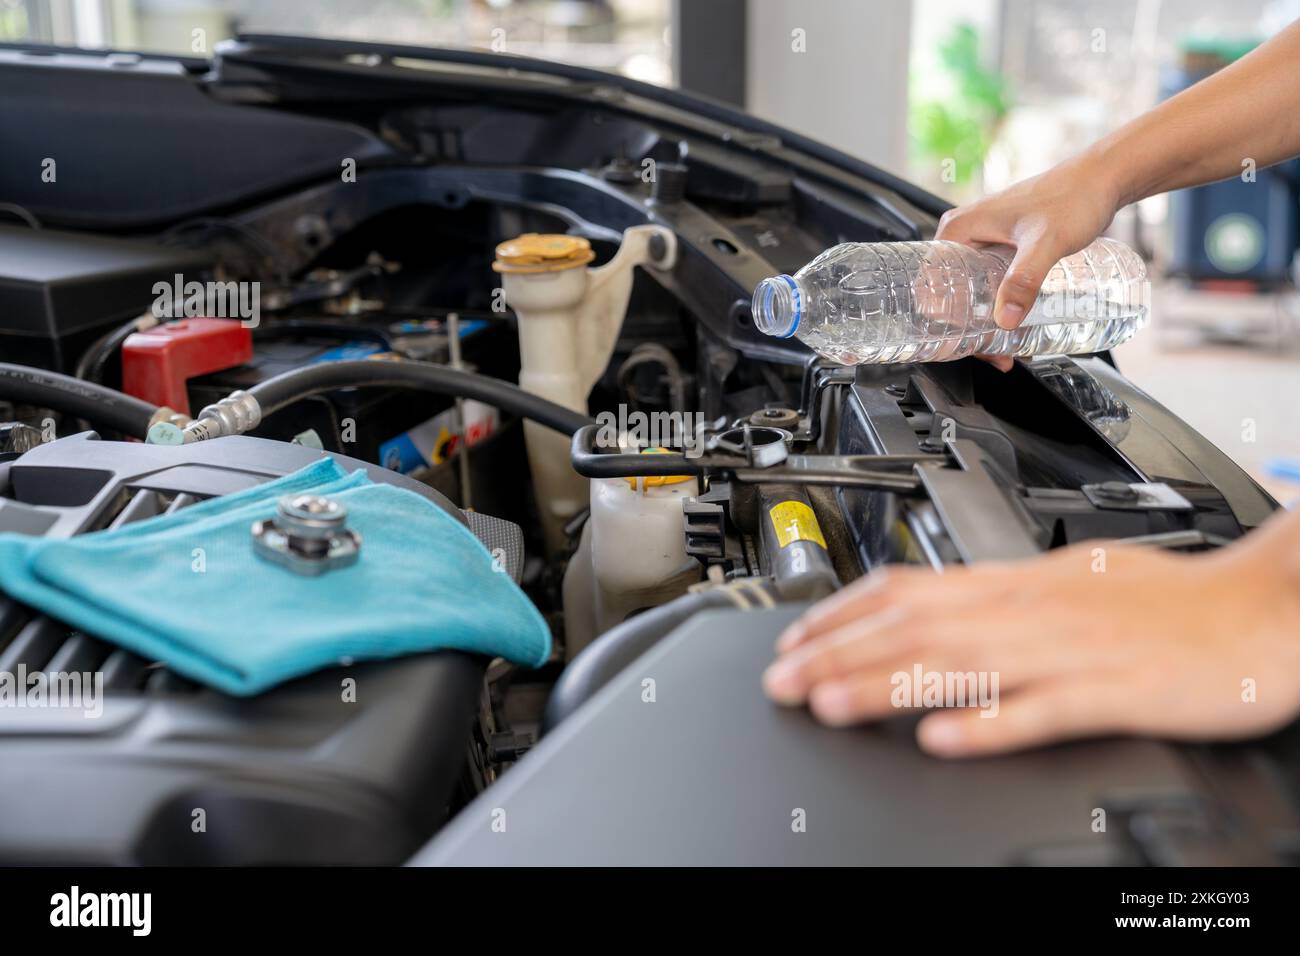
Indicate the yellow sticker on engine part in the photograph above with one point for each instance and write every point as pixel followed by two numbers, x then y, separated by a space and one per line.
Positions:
pixel 795 521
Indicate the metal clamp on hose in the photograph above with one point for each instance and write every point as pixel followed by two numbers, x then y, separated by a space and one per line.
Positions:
pixel 759 446
pixel 592 463
pixel 237 413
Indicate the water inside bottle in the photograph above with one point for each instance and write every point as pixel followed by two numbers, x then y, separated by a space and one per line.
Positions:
pixel 932 301
pixel 1064 323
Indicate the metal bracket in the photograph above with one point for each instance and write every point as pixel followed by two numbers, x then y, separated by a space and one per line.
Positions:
pixel 1135 496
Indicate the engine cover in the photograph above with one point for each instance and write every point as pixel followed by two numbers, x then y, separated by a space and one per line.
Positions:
pixel 175 773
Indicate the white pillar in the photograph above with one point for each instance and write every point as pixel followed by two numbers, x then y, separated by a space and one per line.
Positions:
pixel 834 70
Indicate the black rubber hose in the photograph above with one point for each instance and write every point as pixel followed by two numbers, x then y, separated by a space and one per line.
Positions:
pixel 590 463
pixel 618 647
pixel 98 404
pixel 289 387
pixel 96 357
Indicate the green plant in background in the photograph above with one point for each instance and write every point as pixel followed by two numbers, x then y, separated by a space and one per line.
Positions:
pixel 13 20
pixel 953 132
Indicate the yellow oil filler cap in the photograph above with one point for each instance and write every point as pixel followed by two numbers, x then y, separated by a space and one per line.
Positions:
pixel 542 252
pixel 656 481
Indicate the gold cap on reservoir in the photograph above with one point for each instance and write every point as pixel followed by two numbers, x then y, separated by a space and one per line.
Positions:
pixel 542 252
pixel 656 481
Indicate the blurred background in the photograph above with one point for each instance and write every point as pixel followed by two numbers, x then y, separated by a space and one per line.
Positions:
pixel 961 96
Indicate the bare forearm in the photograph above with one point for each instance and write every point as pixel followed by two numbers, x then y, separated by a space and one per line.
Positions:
pixel 1274 549
pixel 1247 111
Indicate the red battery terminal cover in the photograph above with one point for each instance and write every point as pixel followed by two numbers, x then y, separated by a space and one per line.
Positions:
pixel 157 363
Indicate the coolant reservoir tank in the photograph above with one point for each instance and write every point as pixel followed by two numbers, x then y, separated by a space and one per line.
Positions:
pixel 638 540
pixel 569 319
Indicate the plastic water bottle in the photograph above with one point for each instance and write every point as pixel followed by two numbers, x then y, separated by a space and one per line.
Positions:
pixel 878 302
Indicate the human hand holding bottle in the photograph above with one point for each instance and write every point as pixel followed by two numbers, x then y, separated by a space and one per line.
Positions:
pixel 1045 219
pixel 1059 212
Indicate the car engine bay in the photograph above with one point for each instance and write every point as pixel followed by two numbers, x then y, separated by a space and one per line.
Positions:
pixel 313 247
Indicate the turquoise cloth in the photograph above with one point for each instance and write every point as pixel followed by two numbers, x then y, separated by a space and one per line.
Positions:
pixel 188 590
